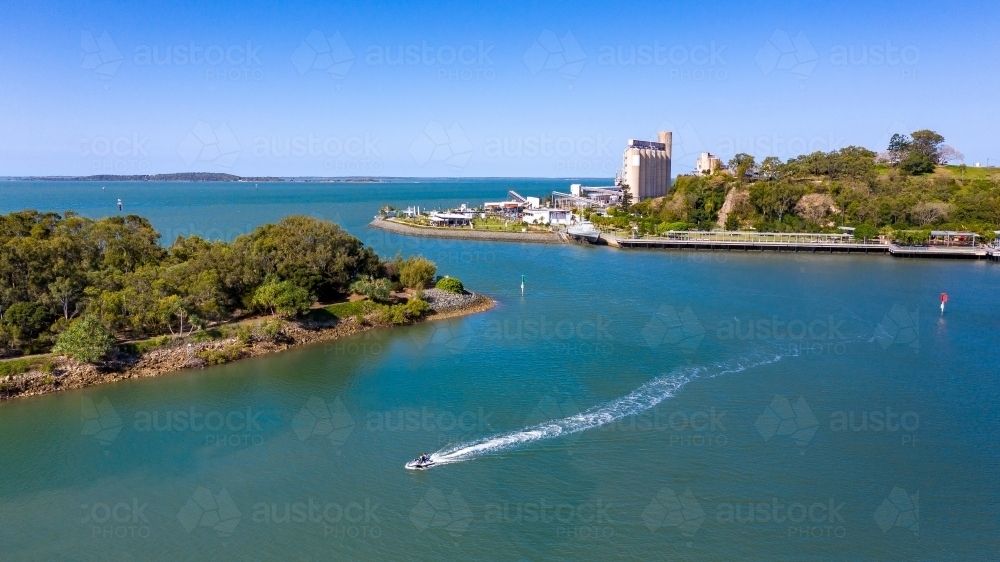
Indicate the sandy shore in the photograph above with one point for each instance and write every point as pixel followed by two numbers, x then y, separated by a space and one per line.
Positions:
pixel 390 225
pixel 65 373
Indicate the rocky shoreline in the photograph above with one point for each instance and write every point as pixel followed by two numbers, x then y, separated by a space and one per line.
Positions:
pixel 389 225
pixel 64 373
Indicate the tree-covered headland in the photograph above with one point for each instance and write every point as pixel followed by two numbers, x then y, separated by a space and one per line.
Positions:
pixel 80 284
pixel 910 186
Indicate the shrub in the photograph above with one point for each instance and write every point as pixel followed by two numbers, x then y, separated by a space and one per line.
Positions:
pixel 205 335
pixel 228 353
pixel 451 285
pixel 375 289
pixel 666 227
pixel 269 330
pixel 244 334
pixel 416 272
pixel 85 340
pixel 14 367
pixel 416 308
pixel 282 298
pixel 344 310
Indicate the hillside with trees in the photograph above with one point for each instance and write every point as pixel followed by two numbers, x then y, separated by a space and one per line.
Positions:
pixel 909 186
pixel 74 281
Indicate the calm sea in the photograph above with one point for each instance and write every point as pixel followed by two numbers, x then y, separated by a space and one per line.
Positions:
pixel 633 405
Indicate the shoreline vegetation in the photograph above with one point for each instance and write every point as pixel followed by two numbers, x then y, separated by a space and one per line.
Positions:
pixel 85 302
pixel 411 229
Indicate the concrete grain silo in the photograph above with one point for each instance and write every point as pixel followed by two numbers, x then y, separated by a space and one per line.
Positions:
pixel 646 167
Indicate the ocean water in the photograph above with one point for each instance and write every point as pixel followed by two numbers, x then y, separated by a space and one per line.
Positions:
pixel 633 405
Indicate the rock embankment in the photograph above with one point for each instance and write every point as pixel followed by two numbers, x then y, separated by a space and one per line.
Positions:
pixel 63 373
pixel 444 302
pixel 465 233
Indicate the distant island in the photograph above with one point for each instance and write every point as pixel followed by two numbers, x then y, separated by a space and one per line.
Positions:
pixel 184 176
pixel 195 176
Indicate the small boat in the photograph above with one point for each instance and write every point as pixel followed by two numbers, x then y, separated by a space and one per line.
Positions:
pixel 422 462
pixel 584 230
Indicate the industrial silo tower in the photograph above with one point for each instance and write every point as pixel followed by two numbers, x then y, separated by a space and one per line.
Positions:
pixel 646 167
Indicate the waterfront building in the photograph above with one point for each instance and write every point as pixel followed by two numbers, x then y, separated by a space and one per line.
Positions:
pixel 646 167
pixel 559 217
pixel 707 164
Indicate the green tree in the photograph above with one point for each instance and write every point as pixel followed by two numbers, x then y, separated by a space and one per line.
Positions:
pixel 85 340
pixel 316 255
pixel 416 272
pixel 743 166
pixel 282 297
pixel 626 202
pixel 25 320
pixel 865 231
pixel 899 147
pixel 770 167
pixel 67 291
pixel 917 163
pixel 928 143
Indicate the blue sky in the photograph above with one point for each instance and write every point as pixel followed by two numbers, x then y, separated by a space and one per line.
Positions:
pixel 462 89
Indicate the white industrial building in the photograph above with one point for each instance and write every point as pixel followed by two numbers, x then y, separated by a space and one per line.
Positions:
pixel 646 167
pixel 707 164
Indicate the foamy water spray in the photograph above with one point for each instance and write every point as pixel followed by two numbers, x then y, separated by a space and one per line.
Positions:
pixel 643 398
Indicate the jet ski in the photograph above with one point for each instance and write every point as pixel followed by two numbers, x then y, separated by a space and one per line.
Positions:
pixel 420 463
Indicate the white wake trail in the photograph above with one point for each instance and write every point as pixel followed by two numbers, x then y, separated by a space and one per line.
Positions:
pixel 643 398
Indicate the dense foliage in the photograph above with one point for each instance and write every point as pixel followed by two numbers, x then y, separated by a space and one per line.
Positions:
pixel 908 187
pixel 86 339
pixel 451 285
pixel 416 272
pixel 55 268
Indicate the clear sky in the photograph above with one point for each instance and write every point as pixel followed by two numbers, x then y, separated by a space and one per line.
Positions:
pixel 480 89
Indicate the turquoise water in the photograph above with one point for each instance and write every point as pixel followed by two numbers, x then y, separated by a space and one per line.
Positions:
pixel 622 408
